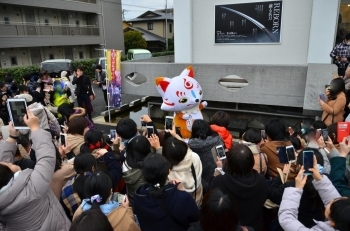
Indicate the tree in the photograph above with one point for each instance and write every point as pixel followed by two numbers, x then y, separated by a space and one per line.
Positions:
pixel 133 40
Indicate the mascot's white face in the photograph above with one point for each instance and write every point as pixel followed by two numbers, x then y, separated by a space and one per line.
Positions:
pixel 181 92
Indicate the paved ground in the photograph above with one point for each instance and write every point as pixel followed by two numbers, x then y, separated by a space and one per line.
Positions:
pixel 99 106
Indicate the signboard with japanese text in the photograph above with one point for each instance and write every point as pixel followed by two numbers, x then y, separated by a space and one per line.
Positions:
pixel 258 22
pixel 114 77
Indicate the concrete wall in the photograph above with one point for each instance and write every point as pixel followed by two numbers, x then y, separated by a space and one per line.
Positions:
pixel 23 55
pixel 33 41
pixel 317 78
pixel 195 31
pixel 282 85
pixel 265 83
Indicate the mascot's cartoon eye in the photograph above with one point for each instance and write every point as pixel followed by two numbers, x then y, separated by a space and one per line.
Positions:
pixel 183 100
pixel 188 85
pixel 200 92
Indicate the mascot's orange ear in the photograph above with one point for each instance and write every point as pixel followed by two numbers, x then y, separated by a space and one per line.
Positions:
pixel 162 83
pixel 188 72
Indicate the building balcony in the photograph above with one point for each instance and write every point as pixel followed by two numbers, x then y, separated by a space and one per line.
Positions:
pixel 31 29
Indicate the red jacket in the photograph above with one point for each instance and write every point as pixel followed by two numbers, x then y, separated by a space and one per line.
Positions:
pixel 224 134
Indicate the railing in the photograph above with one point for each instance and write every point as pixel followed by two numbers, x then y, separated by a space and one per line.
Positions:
pixel 37 29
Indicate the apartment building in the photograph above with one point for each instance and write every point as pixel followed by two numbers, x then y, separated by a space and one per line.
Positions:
pixel 32 31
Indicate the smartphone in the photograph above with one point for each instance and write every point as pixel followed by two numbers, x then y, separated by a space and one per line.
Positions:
pixel 290 153
pixel 324 133
pixel 113 134
pixel 282 155
pixel 323 97
pixel 17 109
pixel 143 124
pixel 150 130
pixel 263 134
pixel 169 122
pixel 308 161
pixel 220 152
pixel 342 130
pixel 63 139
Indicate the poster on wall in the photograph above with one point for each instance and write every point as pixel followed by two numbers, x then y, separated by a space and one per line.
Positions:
pixel 258 22
pixel 114 78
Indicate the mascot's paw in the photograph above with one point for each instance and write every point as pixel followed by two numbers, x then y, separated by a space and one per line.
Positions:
pixel 204 103
pixel 186 117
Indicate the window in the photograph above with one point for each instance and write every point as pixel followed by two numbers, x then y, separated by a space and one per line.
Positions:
pixel 81 55
pixel 77 23
pixel 6 20
pixel 46 22
pixel 14 61
pixel 51 56
pixel 170 28
pixel 150 26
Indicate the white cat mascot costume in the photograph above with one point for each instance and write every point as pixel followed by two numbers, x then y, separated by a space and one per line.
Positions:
pixel 182 95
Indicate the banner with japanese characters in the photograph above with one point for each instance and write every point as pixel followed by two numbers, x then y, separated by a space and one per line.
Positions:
pixel 114 77
pixel 258 22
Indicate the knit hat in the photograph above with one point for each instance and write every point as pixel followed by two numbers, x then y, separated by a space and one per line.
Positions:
pixel 64 74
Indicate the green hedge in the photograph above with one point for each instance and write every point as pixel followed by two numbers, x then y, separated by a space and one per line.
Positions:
pixel 17 72
pixel 163 53
pixel 87 65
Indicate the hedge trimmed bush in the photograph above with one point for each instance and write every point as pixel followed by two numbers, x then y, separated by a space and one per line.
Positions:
pixel 17 72
pixel 87 65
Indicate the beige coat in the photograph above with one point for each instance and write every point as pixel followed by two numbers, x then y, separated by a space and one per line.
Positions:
pixel 120 218
pixel 183 173
pixel 334 106
pixel 60 178
pixel 28 203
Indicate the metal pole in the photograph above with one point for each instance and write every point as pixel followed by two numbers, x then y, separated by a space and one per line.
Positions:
pixel 166 25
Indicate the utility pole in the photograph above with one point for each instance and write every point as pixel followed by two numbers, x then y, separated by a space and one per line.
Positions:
pixel 123 13
pixel 166 24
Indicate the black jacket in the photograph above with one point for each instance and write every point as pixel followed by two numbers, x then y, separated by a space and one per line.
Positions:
pixel 83 85
pixel 249 193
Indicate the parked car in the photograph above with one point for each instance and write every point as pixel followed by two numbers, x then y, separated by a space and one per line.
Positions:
pixel 55 66
pixel 138 54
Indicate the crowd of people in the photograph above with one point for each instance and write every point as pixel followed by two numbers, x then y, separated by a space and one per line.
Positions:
pixel 139 181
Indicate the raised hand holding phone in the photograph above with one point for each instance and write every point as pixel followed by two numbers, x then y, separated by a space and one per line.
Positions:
pixel 31 121
pixel 300 179
pixel 323 97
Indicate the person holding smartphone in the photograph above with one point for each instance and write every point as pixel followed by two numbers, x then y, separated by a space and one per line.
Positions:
pixel 147 121
pixel 26 200
pixel 334 204
pixel 333 108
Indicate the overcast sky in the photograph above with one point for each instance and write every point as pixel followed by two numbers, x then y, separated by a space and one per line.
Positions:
pixel 135 8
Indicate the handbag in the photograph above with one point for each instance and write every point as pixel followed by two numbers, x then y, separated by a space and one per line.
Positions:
pixel 52 125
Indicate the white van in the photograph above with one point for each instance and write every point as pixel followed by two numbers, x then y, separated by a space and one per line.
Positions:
pixel 138 54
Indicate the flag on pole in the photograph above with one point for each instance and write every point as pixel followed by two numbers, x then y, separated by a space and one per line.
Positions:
pixel 114 77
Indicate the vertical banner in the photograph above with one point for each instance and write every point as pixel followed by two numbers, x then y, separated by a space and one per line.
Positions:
pixel 114 77
pixel 257 22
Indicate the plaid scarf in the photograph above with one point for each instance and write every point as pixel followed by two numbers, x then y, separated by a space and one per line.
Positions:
pixel 70 198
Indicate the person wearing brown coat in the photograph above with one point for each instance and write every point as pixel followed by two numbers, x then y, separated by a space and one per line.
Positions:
pixel 333 108
pixel 275 131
